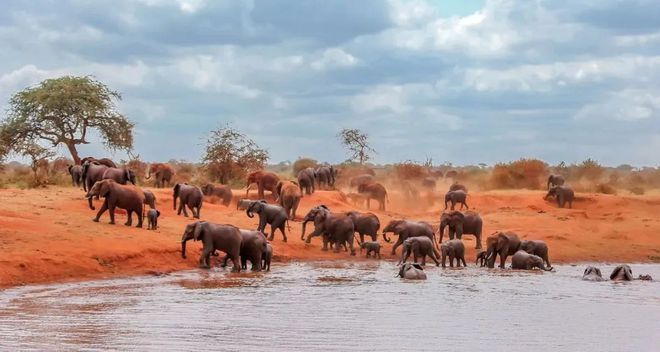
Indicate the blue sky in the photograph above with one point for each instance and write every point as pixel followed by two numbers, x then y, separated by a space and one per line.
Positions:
pixel 459 81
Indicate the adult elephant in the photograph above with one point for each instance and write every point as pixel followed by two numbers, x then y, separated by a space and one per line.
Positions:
pixel 103 161
pixel 406 229
pixel 162 173
pixel 622 273
pixel 503 244
pixel 222 192
pixel 459 224
pixel 122 176
pixel 253 248
pixel 592 273
pixel 127 197
pixel 420 247
pixel 92 173
pixel 325 176
pixel 225 238
pixel 265 181
pixel 555 180
pixel 76 172
pixel 536 247
pixel 365 224
pixel 306 180
pixel 374 191
pixel 412 271
pixel 337 229
pixel 562 194
pixel 271 214
pixel 190 196
pixel 522 260
pixel 358 180
pixel 458 196
pixel 457 186
pixel 288 198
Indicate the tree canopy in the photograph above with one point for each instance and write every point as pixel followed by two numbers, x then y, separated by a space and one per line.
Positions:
pixel 357 144
pixel 63 111
pixel 230 155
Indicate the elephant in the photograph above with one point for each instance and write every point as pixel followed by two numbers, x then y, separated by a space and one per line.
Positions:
pixel 555 180
pixel 481 259
pixel 563 195
pixel 243 204
pixel 76 172
pixel 412 271
pixel 503 244
pixel 190 196
pixel 622 273
pixel 267 257
pixel 371 247
pixel 522 260
pixel 123 176
pixel 453 249
pixel 92 173
pixel 457 186
pixel 374 191
pixel 162 173
pixel 103 161
pixel 271 214
pixel 336 229
pixel 592 273
pixel 420 247
pixel 225 238
pixel 536 247
pixel 437 174
pixel 152 219
pixel 149 199
pixel 365 224
pixel 451 174
pixel 116 195
pixel 428 183
pixel 253 247
pixel 459 224
pixel 307 180
pixel 358 180
pixel 325 176
pixel 357 198
pixel 266 181
pixel 289 195
pixel 454 197
pixel 223 192
pixel 406 229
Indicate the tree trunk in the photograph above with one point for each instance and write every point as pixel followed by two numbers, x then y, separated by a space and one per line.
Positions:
pixel 74 153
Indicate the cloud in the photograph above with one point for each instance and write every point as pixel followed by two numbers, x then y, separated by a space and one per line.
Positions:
pixel 628 105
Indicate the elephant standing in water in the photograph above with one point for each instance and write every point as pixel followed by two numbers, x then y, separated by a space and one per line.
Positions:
pixel 412 271
pixel 191 197
pixel 503 244
pixel 162 173
pixel 555 180
pixel 420 247
pixel 622 273
pixel 253 247
pixel 116 195
pixel 536 247
pixel 406 229
pixel 591 273
pixel 225 238
pixel 522 260
pixel 453 249
pixel 459 224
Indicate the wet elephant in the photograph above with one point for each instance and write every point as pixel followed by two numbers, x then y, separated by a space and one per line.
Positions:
pixel 127 197
pixel 503 244
pixel 522 260
pixel 453 249
pixel 225 238
pixel 412 271
pixel 253 247
pixel 420 247
pixel 622 273
pixel 405 229
pixel 190 196
pixel 592 273
pixel 459 224
pixel 536 247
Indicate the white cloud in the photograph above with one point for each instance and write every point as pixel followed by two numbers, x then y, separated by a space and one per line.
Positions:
pixel 627 105
pixel 381 98
pixel 334 58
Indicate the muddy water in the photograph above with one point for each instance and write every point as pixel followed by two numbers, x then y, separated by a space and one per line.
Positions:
pixel 338 306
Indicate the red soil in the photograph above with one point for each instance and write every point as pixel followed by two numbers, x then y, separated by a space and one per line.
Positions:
pixel 46 235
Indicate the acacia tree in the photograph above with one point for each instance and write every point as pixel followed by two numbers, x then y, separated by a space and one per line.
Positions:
pixel 230 155
pixel 62 111
pixel 357 144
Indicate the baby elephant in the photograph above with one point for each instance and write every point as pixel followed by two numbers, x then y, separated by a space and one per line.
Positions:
pixel 267 257
pixel 591 273
pixel 371 247
pixel 412 271
pixel 453 249
pixel 152 219
pixel 458 196
pixel 481 258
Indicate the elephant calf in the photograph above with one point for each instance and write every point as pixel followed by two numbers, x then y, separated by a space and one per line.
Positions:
pixel 371 247
pixel 522 260
pixel 562 194
pixel 267 257
pixel 271 214
pixel 420 247
pixel 536 247
pixel 591 273
pixel 412 271
pixel 152 219
pixel 453 249
pixel 481 258
pixel 458 196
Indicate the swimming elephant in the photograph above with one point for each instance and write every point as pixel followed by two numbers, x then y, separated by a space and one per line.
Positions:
pixel 306 180
pixel 288 197
pixel 265 181
pixel 622 273
pixel 457 187
pixel 76 172
pixel 555 180
pixel 591 273
pixel 225 238
pixel 267 257
pixel 503 244
pixel 92 173
pixel 222 192
pixel 162 173
pixel 405 229
pixel 459 224
pixel 358 180
pixel 190 196
pixel 458 196
pixel 365 224
pixel 420 247
pixel 122 176
pixel 563 195
pixel 103 161
pixel 453 249
pixel 325 176
pixel 536 247
pixel 127 197
pixel 336 229
pixel 522 260
pixel 411 271
pixel 253 247
pixel 149 199
pixel 272 214
pixel 374 191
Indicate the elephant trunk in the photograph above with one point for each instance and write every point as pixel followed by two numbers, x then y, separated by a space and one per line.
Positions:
pixel 183 249
pixel 304 225
pixel 385 237
pixel 89 200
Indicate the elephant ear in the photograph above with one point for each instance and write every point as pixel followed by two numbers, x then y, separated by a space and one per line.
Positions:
pixel 278 187
pixel 615 272
pixel 502 240
pixel 457 216
pixel 199 227
pixel 105 188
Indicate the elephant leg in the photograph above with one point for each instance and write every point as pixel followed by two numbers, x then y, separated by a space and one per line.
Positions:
pixel 451 261
pixel 503 259
pixel 283 230
pixel 111 210
pixel 466 205
pixel 350 245
pixel 205 257
pixel 464 263
pixel 224 261
pixel 325 243
pixel 478 237
pixel 129 218
pixel 235 258
pixel 396 245
pixel 185 211
pixel 104 207
pixel 178 212
pixel 362 237
pixel 423 259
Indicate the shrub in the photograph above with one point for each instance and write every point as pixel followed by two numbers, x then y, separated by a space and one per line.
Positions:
pixel 605 188
pixel 590 170
pixel 637 190
pixel 409 170
pixel 302 164
pixel 523 173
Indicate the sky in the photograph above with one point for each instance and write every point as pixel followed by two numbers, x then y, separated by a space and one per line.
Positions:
pixel 457 81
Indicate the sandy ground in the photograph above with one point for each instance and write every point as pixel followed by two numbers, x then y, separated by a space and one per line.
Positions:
pixel 47 235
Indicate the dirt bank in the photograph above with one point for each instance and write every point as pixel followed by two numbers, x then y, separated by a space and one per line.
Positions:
pixel 47 235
